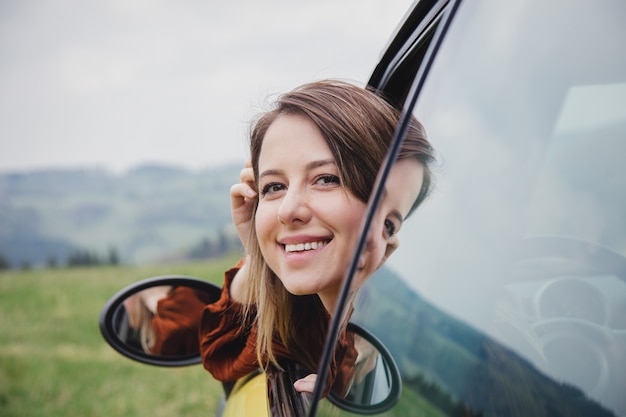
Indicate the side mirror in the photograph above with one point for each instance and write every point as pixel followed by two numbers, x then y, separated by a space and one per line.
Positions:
pixel 371 384
pixel 376 383
pixel 127 320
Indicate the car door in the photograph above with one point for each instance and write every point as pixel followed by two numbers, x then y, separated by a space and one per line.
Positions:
pixel 508 293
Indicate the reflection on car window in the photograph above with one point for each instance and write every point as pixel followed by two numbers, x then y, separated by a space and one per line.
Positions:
pixel 574 191
pixel 509 287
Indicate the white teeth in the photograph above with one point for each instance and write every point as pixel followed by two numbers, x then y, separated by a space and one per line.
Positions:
pixel 299 247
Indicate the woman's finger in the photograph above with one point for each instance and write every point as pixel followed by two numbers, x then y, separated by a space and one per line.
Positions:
pixel 247 176
pixel 306 384
pixel 240 194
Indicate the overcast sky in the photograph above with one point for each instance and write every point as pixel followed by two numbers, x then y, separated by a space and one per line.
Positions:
pixel 117 83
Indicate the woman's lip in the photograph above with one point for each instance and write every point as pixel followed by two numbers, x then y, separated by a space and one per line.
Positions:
pixel 296 240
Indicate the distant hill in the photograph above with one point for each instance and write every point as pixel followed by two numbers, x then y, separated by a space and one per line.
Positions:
pixel 461 370
pixel 150 213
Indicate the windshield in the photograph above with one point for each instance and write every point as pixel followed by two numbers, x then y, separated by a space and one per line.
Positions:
pixel 508 291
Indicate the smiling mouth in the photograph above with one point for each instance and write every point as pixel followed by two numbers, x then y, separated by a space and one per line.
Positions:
pixel 302 247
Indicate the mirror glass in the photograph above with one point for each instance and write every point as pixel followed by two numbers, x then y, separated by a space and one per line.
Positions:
pixel 369 378
pixel 156 321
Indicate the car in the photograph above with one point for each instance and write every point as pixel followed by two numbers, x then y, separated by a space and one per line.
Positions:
pixel 507 296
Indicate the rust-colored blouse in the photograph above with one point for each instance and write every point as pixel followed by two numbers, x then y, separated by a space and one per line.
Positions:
pixel 177 320
pixel 228 352
pixel 228 346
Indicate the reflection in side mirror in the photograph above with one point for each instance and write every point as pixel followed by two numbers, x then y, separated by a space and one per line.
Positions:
pixel 156 321
pixel 375 385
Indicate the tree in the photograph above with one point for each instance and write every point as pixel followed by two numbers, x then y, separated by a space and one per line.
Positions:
pixel 52 261
pixel 114 258
pixel 4 263
pixel 83 258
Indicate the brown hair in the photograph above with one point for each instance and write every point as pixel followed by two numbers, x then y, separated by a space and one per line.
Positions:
pixel 358 126
pixel 416 146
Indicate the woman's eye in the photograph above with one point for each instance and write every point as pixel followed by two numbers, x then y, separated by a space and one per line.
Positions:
pixel 328 179
pixel 390 228
pixel 272 187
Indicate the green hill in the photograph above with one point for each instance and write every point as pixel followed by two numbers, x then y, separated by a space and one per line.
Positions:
pixel 147 214
pixel 456 367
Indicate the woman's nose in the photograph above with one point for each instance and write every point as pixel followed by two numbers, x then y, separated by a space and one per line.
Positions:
pixel 294 207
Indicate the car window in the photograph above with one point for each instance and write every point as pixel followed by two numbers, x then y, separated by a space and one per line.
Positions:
pixel 507 295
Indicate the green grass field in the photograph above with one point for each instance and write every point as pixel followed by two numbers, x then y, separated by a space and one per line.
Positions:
pixel 54 362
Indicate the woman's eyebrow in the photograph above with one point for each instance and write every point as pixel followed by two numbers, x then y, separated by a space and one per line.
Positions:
pixel 268 172
pixel 308 166
pixel 320 163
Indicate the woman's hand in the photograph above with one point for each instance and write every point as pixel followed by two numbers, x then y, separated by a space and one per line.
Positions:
pixel 146 299
pixel 242 200
pixel 151 296
pixel 306 384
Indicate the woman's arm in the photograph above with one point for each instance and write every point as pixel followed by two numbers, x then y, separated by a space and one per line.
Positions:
pixel 238 283
pixel 227 341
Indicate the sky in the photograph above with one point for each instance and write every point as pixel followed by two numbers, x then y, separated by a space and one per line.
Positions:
pixel 114 84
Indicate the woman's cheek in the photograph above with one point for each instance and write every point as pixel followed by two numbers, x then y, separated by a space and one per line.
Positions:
pixel 373 254
pixel 263 225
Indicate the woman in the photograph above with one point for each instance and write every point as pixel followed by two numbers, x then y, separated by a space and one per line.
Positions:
pixel 298 211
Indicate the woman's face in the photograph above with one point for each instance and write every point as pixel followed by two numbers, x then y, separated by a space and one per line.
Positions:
pixel 307 223
pixel 401 190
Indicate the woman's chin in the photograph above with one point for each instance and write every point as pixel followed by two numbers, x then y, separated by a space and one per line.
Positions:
pixel 299 290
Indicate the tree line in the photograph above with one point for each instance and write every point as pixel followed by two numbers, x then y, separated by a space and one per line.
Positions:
pixel 223 243
pixel 76 258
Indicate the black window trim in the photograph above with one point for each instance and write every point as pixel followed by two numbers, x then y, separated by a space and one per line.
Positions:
pixel 411 38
